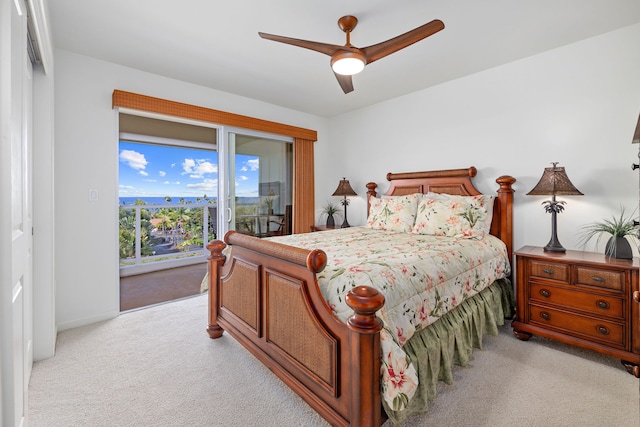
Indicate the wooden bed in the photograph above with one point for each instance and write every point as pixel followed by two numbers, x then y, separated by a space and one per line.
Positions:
pixel 263 288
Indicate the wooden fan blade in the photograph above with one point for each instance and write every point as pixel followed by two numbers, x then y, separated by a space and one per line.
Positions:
pixel 326 48
pixel 346 83
pixel 380 50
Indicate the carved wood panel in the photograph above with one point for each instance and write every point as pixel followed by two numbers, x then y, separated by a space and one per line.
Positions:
pixel 292 329
pixel 240 294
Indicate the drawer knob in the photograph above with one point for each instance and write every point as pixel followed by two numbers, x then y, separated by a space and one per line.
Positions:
pixel 636 296
pixel 602 304
pixel 545 315
pixel 597 279
pixel 603 330
pixel 548 271
pixel 545 293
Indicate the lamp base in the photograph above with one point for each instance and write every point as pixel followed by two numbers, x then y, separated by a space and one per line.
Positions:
pixel 554 246
pixel 345 203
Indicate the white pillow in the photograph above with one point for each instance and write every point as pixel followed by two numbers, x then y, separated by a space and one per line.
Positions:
pixel 466 217
pixel 394 214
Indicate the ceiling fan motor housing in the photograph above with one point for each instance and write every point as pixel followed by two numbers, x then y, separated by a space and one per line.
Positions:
pixel 348 62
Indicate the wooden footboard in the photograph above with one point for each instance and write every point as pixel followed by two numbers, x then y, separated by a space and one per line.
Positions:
pixel 266 296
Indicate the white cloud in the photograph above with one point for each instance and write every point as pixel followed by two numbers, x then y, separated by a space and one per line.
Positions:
pixel 133 159
pixel 162 173
pixel 207 185
pixel 254 164
pixel 188 165
pixel 198 168
pixel 143 173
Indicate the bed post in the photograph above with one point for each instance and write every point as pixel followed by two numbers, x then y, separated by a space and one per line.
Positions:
pixel 365 327
pixel 371 192
pixel 505 198
pixel 215 261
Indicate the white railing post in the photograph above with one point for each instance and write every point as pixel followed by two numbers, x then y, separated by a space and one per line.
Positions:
pixel 138 238
pixel 205 227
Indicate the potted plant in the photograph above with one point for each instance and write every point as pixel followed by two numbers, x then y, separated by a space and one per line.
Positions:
pixel 268 201
pixel 620 229
pixel 331 210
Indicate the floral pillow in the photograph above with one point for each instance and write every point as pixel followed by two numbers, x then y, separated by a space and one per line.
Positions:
pixel 394 214
pixel 466 217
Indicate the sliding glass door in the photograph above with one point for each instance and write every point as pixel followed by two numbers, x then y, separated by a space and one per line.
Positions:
pixel 256 182
pixel 231 178
pixel 183 184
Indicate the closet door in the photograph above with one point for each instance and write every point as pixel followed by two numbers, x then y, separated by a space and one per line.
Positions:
pixel 16 212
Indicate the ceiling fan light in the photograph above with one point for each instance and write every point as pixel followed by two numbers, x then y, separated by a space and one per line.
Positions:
pixel 347 63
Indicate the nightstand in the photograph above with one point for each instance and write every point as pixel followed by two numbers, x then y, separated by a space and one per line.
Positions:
pixel 580 298
pixel 324 227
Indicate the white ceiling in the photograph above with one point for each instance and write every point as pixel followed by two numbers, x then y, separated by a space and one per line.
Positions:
pixel 216 44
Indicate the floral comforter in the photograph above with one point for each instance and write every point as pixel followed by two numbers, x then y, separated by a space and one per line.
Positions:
pixel 422 277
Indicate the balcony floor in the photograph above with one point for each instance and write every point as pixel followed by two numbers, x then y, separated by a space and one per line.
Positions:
pixel 160 286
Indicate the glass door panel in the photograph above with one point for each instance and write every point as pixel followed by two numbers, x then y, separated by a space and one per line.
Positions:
pixel 259 189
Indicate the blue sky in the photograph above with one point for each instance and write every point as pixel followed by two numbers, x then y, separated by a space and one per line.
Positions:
pixel 148 170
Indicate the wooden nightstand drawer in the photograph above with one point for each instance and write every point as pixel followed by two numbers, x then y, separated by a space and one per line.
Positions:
pixel 600 278
pixel 592 303
pixel 550 270
pixel 580 326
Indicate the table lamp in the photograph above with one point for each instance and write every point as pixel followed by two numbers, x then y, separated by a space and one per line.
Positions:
pixel 554 182
pixel 344 189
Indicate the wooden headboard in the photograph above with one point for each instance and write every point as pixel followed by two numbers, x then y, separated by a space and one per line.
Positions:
pixel 458 182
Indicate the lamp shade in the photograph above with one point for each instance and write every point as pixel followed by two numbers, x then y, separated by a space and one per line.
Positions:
pixel 554 182
pixel 344 189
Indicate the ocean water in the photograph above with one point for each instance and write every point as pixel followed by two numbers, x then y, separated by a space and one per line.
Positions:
pixel 128 201
pixel 158 200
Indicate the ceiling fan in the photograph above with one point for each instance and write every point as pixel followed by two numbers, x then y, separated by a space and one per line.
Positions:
pixel 348 60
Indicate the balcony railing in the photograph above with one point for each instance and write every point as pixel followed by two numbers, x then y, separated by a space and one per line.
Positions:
pixel 172 234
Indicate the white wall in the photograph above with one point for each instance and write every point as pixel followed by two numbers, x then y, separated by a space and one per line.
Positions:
pixel 577 105
pixel 86 157
pixel 44 326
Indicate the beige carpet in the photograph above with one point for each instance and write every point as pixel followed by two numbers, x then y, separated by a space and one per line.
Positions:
pixel 158 367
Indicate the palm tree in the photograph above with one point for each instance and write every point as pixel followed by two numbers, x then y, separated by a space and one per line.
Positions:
pixel 166 221
pixel 127 236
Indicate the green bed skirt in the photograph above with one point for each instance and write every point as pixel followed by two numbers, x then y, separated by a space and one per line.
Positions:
pixel 450 341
